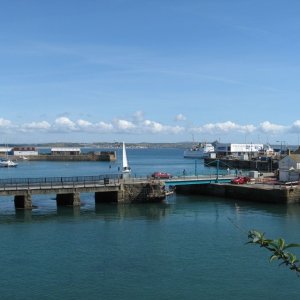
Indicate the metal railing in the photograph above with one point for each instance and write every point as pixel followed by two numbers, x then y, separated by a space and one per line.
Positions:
pixel 56 182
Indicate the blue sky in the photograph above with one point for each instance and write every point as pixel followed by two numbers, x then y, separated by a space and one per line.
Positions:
pixel 149 71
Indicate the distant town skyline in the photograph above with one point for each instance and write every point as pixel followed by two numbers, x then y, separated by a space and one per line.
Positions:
pixel 149 71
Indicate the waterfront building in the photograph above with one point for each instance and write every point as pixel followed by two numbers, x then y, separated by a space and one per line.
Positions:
pixel 65 151
pixel 24 151
pixel 224 149
pixel 289 168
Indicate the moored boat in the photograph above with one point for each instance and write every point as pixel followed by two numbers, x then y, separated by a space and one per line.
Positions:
pixel 201 150
pixel 6 163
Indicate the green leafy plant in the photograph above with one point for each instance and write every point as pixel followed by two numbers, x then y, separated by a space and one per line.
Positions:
pixel 278 248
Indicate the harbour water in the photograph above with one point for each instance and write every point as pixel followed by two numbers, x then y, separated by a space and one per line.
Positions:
pixel 190 247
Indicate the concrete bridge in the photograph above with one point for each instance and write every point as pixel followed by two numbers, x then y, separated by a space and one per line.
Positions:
pixel 106 188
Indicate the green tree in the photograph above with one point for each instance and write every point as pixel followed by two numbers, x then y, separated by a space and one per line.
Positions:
pixel 277 248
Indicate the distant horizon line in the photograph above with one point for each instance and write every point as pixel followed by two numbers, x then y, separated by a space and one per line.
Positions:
pixel 134 143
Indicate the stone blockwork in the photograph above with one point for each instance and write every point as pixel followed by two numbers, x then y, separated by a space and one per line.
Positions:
pixel 142 192
pixel 133 193
pixel 293 194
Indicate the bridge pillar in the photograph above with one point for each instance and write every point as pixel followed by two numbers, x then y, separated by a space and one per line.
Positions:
pixel 69 199
pixel 105 197
pixel 23 201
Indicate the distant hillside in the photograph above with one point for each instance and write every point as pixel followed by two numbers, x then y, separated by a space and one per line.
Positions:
pixel 182 145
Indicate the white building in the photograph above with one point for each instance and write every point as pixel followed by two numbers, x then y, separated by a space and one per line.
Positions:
pixel 24 151
pixel 65 151
pixel 237 149
pixel 289 168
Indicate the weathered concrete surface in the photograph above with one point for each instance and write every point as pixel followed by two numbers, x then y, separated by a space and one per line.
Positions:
pixel 248 192
pixel 141 193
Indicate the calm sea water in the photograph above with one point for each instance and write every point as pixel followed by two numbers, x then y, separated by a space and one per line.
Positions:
pixel 191 247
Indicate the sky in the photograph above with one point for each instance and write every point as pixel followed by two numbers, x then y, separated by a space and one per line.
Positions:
pixel 150 71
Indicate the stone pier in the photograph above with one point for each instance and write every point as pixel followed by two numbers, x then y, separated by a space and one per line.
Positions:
pixel 69 199
pixel 23 201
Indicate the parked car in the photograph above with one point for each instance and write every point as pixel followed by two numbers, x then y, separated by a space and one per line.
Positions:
pixel 240 180
pixel 161 175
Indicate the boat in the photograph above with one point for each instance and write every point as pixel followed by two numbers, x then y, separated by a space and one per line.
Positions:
pixel 6 163
pixel 202 150
pixel 126 169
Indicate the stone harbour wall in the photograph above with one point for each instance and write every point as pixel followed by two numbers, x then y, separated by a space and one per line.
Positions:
pixel 245 192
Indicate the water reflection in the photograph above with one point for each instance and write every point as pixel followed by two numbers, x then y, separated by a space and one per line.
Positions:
pixel 243 207
pixel 107 212
pixel 153 211
pixel 274 209
pixel 23 215
pixel 202 206
pixel 72 211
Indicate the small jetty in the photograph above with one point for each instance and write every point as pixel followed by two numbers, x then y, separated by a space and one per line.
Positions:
pixel 260 187
pixel 258 192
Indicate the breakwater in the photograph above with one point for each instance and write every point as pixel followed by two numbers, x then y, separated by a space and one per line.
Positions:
pixel 97 156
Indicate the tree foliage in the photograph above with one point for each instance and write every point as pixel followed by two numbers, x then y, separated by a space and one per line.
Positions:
pixel 277 248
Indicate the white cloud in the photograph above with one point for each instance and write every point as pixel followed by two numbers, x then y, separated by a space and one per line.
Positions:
pixel 267 127
pixel 35 126
pixel 84 124
pixel 152 126
pixel 138 116
pixel 64 123
pixel 141 127
pixel 219 127
pixel 155 127
pixel 104 127
pixel 180 117
pixel 224 127
pixel 176 129
pixel 295 128
pixel 124 125
pixel 5 123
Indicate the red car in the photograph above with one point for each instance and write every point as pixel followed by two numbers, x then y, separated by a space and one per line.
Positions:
pixel 161 175
pixel 240 180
